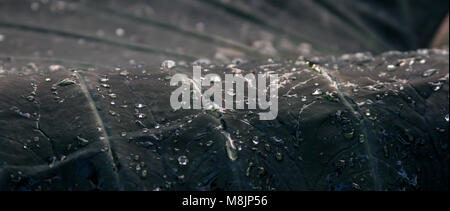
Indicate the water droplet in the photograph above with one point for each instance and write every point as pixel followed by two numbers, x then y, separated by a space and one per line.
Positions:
pixel 348 134
pixel 317 92
pixel 124 73
pixel 139 105
pixel 48 79
pixel 209 143
pixel 267 147
pixel 391 68
pixel 436 86
pixel 183 160
pixel 104 79
pixel 30 98
pixel 356 186
pixel 141 116
pixel 429 72
pixel 112 113
pixel 138 167
pixel 120 32
pixel 144 174
pixel 255 140
pixel 168 64
pixel 362 139
pixel 105 85
pixel 112 95
pixel 82 141
pixel 279 156
pixel 446 118
pixel 55 67
pixel 304 99
pixel 66 82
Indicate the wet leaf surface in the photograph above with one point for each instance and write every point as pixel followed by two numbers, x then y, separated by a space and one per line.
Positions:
pixel 368 129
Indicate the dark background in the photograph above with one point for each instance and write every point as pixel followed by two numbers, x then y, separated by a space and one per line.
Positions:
pixel 219 30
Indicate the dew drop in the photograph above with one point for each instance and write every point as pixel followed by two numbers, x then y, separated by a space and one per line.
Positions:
pixel 124 73
pixel 144 174
pixel 183 160
pixel 209 143
pixel 255 140
pixel 279 156
pixel 104 79
pixel 120 32
pixel 436 86
pixel 139 105
pixel 82 141
pixel 168 64
pixel 317 92
pixel 429 72
pixel 391 68
pixel 141 116
pixel 362 139
pixel 303 99
pixel 105 85
pixel 66 82
pixel 30 98
pixel 112 96
pixel 112 113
